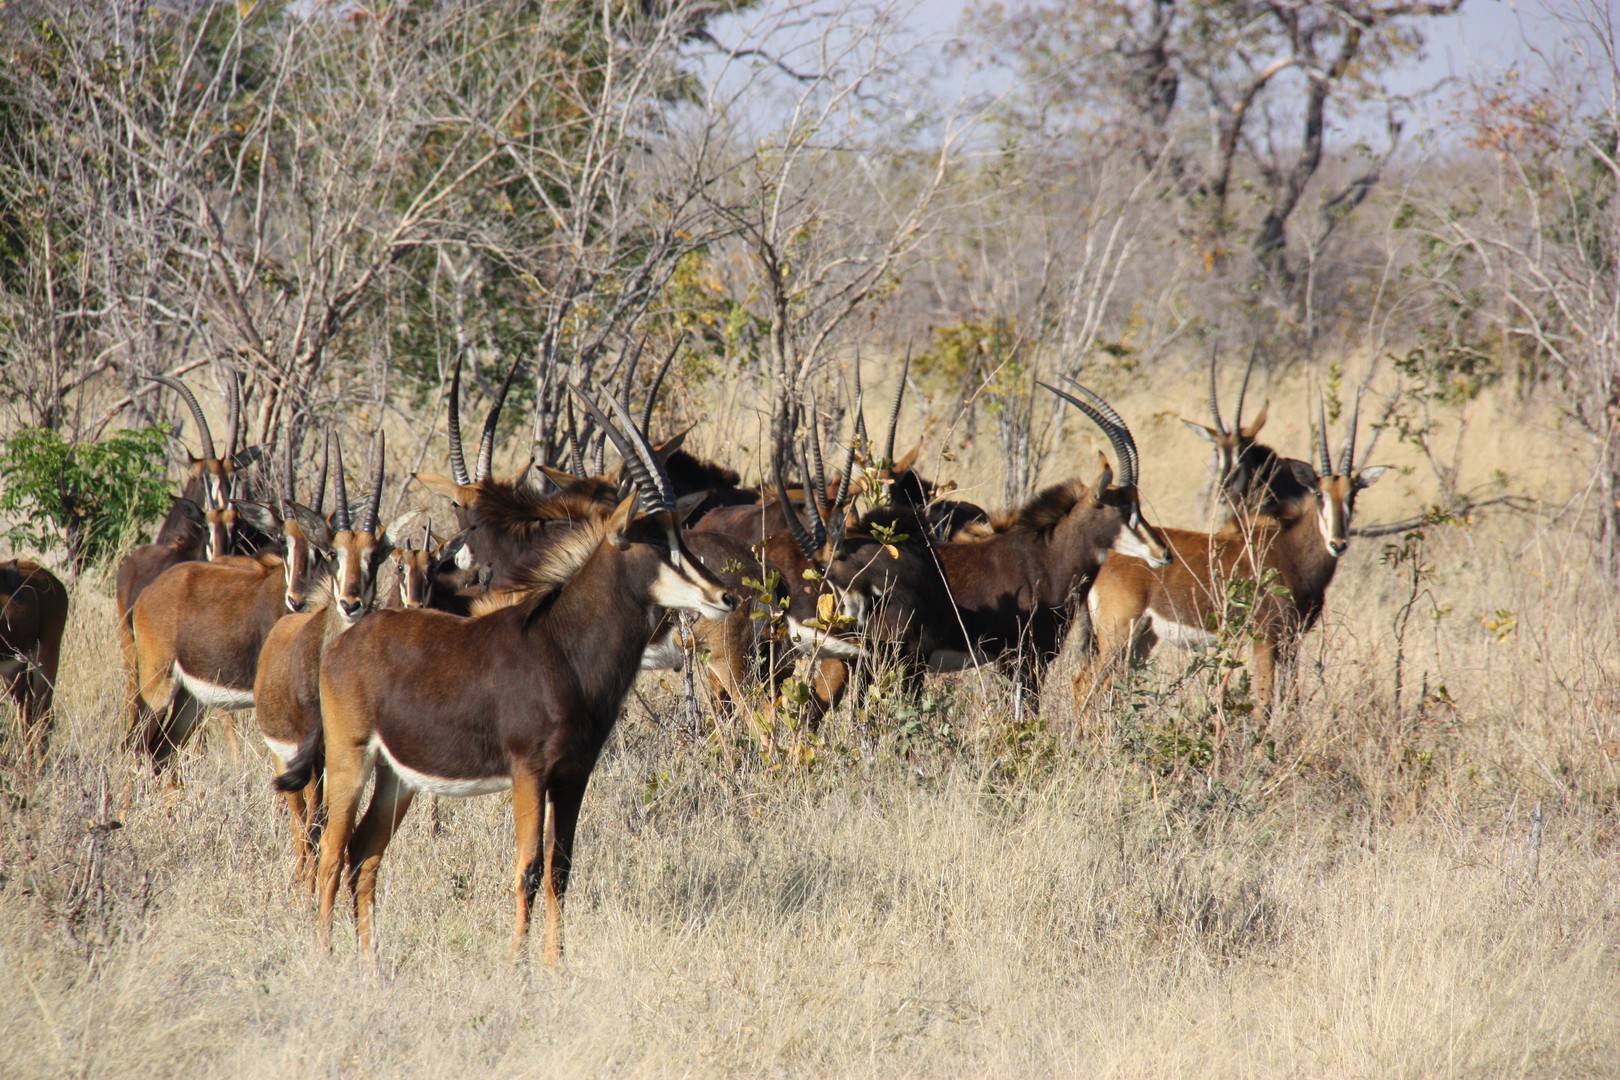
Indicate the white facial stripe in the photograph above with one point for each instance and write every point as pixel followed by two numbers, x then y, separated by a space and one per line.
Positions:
pixel 673 589
pixel 820 643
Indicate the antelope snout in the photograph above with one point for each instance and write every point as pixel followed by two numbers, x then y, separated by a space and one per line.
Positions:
pixel 729 601
pixel 350 608
pixel 1337 547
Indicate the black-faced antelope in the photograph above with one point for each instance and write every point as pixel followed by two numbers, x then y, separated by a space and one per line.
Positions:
pixel 1008 597
pixel 33 615
pixel 521 697
pixel 201 523
pixel 1286 558
pixel 286 687
pixel 1247 477
pixel 198 629
pixel 428 575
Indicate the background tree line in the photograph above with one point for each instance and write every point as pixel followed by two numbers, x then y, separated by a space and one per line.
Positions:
pixel 333 202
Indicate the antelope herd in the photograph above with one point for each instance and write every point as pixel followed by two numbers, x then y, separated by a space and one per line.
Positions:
pixel 500 657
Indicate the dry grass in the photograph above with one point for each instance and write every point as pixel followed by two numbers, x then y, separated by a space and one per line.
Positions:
pixel 939 889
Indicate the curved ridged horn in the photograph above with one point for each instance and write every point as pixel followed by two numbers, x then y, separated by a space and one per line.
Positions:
pixel 427 535
pixel 1214 395
pixel 1243 390
pixel 576 463
pixel 794 523
pixel 639 460
pixel 1119 435
pixel 340 492
pixel 368 520
pixel 818 529
pixel 894 411
pixel 860 420
pixel 820 475
pixel 320 480
pixel 486 442
pixel 233 413
pixel 1324 461
pixel 196 410
pixel 1347 457
pixel 458 456
pixel 290 489
pixel 658 384
pixel 846 489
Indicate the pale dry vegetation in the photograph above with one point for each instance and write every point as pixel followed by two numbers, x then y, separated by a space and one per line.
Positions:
pixel 929 888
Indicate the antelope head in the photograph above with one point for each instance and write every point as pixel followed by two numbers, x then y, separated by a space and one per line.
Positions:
pixel 461 487
pixel 359 548
pixel 654 533
pixel 211 478
pixel 1240 463
pixel 1122 524
pixel 419 567
pixel 1336 489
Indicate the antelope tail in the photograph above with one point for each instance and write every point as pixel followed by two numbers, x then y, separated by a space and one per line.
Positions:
pixel 309 760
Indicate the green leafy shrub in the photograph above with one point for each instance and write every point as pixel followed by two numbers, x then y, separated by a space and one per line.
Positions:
pixel 90 498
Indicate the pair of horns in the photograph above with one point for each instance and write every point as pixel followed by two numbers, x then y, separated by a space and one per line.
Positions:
pixel 1112 424
pixel 486 439
pixel 234 412
pixel 1243 392
pixel 817 537
pixel 292 473
pixel 894 409
pixel 340 513
pixel 1347 453
pixel 653 485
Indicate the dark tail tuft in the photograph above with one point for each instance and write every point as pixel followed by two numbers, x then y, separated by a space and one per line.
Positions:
pixel 306 763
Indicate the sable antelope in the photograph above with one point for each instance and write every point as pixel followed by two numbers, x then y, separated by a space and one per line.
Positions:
pixel 33 615
pixel 1296 546
pixel 522 696
pixel 286 686
pixel 201 523
pixel 199 628
pixel 1010 596
pixel 428 574
pixel 915 507
pixel 1249 477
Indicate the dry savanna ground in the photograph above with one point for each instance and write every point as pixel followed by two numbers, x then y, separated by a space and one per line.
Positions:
pixel 1411 872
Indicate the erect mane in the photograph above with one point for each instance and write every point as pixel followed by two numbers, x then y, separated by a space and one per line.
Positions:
pixel 555 566
pixel 1040 514
pixel 691 473
pixel 504 509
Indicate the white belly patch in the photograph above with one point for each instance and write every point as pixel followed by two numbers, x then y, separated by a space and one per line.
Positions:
pixel 207 693
pixel 1180 634
pixel 439 785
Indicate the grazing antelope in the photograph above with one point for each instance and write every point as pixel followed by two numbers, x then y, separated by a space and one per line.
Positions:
pixel 1289 555
pixel 198 629
pixel 33 615
pixel 521 696
pixel 1007 597
pixel 1248 477
pixel 201 523
pixel 286 686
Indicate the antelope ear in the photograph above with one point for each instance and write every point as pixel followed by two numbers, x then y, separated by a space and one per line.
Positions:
pixel 669 446
pixel 242 459
pixel 520 473
pixel 1252 428
pixel 402 526
pixel 451 549
pixel 1105 479
pixel 688 503
pixel 624 516
pixel 907 462
pixel 316 528
pixel 560 478
pixel 1369 476
pixel 258 515
pixel 1203 431
pixel 1303 472
pixel 442 486
pixel 190 511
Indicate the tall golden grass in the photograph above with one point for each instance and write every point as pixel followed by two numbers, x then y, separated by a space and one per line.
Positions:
pixel 926 888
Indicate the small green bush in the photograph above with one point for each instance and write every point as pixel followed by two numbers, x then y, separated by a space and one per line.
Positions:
pixel 89 498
